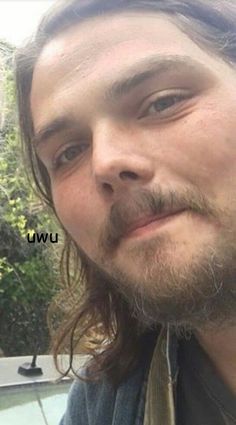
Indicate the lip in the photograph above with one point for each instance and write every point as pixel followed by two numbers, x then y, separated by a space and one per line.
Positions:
pixel 140 225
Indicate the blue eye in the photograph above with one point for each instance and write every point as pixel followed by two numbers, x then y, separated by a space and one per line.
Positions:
pixel 68 155
pixel 164 103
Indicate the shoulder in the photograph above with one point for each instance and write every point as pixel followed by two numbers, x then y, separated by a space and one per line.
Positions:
pixel 99 402
pixel 87 400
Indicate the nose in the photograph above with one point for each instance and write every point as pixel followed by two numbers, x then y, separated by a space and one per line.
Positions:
pixel 120 159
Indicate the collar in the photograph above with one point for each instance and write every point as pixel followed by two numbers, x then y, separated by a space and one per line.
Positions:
pixel 162 378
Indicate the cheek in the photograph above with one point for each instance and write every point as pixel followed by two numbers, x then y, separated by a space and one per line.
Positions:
pixel 205 147
pixel 73 209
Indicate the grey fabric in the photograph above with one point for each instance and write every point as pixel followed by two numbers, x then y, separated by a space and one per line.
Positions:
pixel 199 398
pixel 203 398
pixel 99 403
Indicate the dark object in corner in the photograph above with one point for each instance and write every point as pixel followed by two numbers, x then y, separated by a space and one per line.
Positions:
pixel 30 369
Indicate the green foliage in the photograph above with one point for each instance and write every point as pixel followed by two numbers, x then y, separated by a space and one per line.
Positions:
pixel 27 277
pixel 25 292
pixel 26 282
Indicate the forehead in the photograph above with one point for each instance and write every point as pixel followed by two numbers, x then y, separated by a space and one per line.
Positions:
pixel 123 34
pixel 90 40
pixel 91 54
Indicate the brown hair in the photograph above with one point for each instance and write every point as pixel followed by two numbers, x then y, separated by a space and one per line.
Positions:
pixel 97 319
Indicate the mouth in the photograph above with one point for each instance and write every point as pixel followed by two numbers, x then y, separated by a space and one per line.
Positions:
pixel 146 224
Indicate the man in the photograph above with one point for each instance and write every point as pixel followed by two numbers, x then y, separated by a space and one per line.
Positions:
pixel 127 111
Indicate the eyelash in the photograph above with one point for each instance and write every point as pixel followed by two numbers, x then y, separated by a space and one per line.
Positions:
pixel 57 163
pixel 178 97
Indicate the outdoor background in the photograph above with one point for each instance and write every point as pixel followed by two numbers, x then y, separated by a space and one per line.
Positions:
pixel 28 272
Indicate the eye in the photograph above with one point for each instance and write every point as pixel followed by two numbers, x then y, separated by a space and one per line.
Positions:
pixel 69 154
pixel 164 103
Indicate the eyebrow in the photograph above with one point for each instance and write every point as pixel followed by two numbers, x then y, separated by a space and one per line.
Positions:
pixel 130 78
pixel 56 126
pixel 148 67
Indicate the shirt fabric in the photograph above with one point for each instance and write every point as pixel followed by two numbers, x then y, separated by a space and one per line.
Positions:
pixel 99 403
pixel 202 396
pixel 189 387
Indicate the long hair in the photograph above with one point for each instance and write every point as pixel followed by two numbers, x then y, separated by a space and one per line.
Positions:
pixel 92 317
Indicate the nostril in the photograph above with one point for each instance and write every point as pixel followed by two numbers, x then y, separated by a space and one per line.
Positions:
pixel 128 175
pixel 107 187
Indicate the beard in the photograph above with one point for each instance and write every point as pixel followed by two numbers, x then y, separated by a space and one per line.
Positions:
pixel 186 295
pixel 201 294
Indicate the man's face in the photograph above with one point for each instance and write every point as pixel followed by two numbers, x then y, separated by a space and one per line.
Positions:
pixel 136 126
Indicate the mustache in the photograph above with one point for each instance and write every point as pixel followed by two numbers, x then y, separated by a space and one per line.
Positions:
pixel 141 203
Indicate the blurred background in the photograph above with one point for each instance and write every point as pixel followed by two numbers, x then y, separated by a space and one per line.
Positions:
pixel 28 272
pixel 18 19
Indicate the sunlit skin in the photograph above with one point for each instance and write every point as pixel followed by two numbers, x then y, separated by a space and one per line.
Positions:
pixel 109 149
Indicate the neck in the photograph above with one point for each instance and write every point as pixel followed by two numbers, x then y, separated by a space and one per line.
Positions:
pixel 220 345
